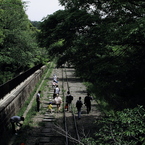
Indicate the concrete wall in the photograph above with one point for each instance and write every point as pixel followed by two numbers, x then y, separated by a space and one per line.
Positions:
pixel 16 99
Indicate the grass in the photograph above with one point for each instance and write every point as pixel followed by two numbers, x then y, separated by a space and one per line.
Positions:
pixel 103 105
pixel 28 123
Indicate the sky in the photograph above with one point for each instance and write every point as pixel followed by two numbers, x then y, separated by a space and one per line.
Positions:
pixel 38 9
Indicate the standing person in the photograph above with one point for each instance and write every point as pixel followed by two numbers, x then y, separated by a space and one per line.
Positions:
pixel 69 99
pixel 15 120
pixel 38 100
pixel 58 102
pixel 87 102
pixel 79 105
pixel 56 90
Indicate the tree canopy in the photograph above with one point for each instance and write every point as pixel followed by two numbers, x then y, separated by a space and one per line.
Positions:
pixel 104 40
pixel 19 49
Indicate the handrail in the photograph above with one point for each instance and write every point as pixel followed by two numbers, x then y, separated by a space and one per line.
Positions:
pixel 13 83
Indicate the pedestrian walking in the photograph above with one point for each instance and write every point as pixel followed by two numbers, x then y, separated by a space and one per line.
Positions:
pixel 87 102
pixel 55 79
pixel 69 99
pixel 38 100
pixel 15 120
pixel 58 101
pixel 56 91
pixel 79 105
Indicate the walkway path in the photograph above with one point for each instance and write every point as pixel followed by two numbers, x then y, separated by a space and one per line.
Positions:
pixel 43 133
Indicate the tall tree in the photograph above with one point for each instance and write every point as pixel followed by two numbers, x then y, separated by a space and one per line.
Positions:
pixel 104 41
pixel 18 42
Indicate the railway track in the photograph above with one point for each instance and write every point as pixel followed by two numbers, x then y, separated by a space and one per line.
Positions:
pixel 71 128
pixel 65 127
pixel 61 128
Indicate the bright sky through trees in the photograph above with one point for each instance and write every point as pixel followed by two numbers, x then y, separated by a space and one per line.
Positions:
pixel 38 9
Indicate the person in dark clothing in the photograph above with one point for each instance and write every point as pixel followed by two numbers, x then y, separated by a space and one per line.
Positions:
pixel 87 102
pixel 38 100
pixel 79 105
pixel 69 99
pixel 15 120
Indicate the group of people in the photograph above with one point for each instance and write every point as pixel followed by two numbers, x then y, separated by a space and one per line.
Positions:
pixel 79 103
pixel 56 98
pixel 15 120
pixel 69 98
pixel 87 102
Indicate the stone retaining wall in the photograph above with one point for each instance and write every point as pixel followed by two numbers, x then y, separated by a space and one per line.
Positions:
pixel 17 98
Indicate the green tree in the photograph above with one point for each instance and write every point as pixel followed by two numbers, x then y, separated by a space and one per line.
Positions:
pixel 35 24
pixel 117 41
pixel 18 43
pixel 104 41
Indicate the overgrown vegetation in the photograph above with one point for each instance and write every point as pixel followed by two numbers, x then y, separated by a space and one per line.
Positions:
pixel 18 43
pixel 104 41
pixel 122 127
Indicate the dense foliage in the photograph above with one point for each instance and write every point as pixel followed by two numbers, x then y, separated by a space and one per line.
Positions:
pixel 19 50
pixel 123 127
pixel 35 24
pixel 104 40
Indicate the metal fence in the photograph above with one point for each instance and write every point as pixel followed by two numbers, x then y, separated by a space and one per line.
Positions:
pixel 10 85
